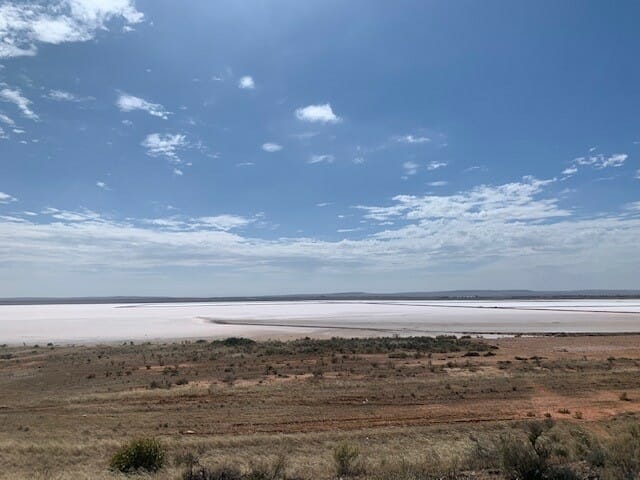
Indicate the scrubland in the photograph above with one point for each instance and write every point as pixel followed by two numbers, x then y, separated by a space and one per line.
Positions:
pixel 378 408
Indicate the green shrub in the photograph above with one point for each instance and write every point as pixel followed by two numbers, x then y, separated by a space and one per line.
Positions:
pixel 345 456
pixel 521 461
pixel 622 460
pixel 529 460
pixel 140 454
pixel 237 342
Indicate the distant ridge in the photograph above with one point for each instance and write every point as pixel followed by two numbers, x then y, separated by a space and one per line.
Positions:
pixel 438 295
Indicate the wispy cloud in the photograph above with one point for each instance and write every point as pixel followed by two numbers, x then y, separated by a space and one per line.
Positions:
pixel 359 160
pixel 599 161
pixel 165 145
pixel 411 139
pixel 102 185
pixel 25 24
pixel 8 120
pixel 436 165
pixel 6 198
pixel 246 83
pixel 63 96
pixel 508 202
pixel 318 113
pixel 128 103
pixel 410 168
pixel 321 159
pixel 438 183
pixel 71 216
pixel 271 147
pixel 508 228
pixel 15 96
pixel 475 168
pixel 177 172
pixel 638 174
pixel 222 222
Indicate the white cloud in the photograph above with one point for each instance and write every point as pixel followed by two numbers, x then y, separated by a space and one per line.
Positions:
pixel 637 174
pixel 25 24
pixel 222 222
pixel 271 147
pixel 475 244
pixel 410 168
pixel 616 160
pixel 318 113
pixel 6 198
pixel 3 135
pixel 635 206
pixel 412 139
pixel 508 202
pixel 436 165
pixel 570 170
pixel 245 164
pixel 321 159
pixel 359 160
pixel 7 120
pixel 83 215
pixel 246 83
pixel 439 183
pixel 15 96
pixel 165 145
pixel 601 161
pixel 128 103
pixel 323 204
pixel 62 96
pixel 178 172
pixel 102 185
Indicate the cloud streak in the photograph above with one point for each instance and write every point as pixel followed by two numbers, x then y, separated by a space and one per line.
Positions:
pixel 24 104
pixel 271 147
pixel 6 198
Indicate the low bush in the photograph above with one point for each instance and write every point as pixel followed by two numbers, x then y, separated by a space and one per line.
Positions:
pixel 622 459
pixel 345 457
pixel 529 460
pixel 144 454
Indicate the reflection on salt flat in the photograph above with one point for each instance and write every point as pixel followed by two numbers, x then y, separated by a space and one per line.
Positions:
pixel 117 322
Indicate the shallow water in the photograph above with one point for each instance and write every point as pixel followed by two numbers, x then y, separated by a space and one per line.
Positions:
pixel 118 322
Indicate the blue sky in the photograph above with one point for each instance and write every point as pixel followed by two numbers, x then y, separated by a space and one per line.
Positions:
pixel 239 148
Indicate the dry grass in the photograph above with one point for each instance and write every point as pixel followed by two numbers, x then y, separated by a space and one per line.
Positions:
pixel 65 410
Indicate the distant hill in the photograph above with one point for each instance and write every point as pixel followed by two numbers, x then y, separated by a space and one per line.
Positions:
pixel 442 295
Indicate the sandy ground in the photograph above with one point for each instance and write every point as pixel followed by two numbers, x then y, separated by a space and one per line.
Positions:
pixel 90 323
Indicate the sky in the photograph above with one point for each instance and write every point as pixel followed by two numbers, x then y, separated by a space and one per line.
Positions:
pixel 155 147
